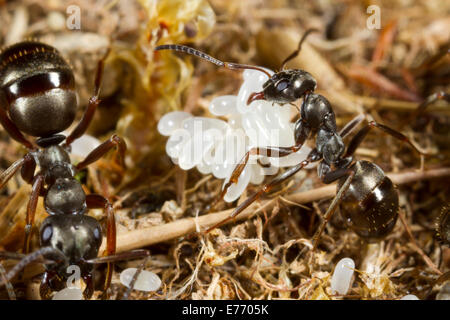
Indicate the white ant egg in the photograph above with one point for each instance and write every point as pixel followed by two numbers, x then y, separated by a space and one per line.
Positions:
pixel 342 276
pixel 71 293
pixel 172 121
pixel 82 146
pixel 410 297
pixel 146 281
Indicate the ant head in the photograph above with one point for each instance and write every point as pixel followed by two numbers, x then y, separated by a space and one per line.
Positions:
pixel 285 86
pixel 65 196
pixel 78 237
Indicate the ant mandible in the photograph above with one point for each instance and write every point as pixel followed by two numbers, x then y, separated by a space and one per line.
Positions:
pixel 367 197
pixel 38 98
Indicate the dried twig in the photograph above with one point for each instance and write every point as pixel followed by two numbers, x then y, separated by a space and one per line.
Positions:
pixel 147 236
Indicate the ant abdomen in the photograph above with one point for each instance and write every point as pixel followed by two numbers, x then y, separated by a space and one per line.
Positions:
pixel 370 205
pixel 37 86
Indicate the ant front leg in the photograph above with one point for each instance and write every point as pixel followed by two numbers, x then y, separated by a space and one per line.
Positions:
pixel 37 186
pixel 312 157
pixel 27 166
pixel 6 175
pixel 89 281
pixel 45 290
pixel 101 150
pixel 95 201
pixel 94 101
pixel 301 132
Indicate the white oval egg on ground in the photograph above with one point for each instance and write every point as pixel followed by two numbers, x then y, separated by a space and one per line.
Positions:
pixel 68 294
pixel 410 297
pixel 342 276
pixel 146 281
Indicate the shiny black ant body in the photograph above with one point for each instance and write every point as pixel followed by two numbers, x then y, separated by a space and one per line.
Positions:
pixel 366 196
pixel 38 98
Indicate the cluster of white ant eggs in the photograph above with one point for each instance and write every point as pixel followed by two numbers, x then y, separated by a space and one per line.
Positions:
pixel 216 146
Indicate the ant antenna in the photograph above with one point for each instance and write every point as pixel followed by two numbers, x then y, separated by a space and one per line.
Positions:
pixel 296 52
pixel 217 62
pixel 46 252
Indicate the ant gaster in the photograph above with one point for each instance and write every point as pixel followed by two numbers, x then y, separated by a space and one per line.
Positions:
pixel 37 97
pixel 367 197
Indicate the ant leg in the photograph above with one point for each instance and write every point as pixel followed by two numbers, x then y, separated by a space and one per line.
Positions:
pixel 328 178
pixel 101 150
pixel 10 172
pixel 89 290
pixel 350 126
pixel 92 106
pixel 38 183
pixel 359 137
pixel 301 132
pixel 12 129
pixel 296 52
pixel 267 187
pixel 44 289
pixel 28 168
pixel 95 201
pixel 234 178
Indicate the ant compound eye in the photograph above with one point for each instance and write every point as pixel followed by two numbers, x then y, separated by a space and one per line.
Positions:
pixel 281 85
pixel 97 234
pixel 47 234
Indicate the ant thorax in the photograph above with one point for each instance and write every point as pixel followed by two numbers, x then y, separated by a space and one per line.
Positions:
pixel 54 161
pixel 217 146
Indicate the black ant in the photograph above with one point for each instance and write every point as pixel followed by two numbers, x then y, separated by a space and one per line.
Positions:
pixel 38 98
pixel 368 199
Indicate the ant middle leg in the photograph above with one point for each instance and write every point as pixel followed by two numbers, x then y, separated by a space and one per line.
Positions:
pixel 361 134
pixel 101 150
pixel 6 175
pixel 329 178
pixel 37 186
pixel 351 125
